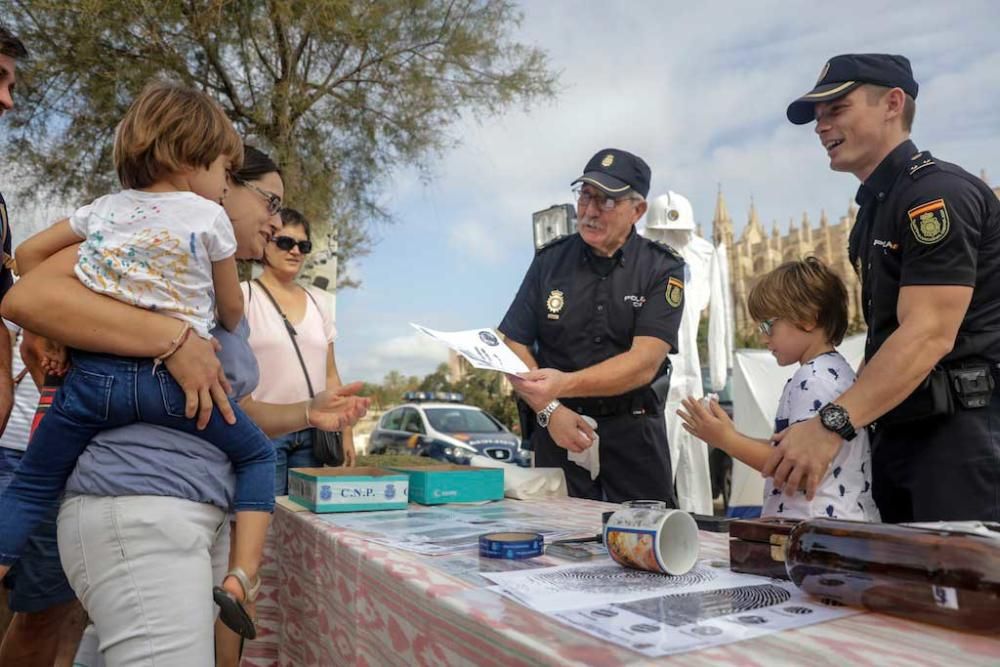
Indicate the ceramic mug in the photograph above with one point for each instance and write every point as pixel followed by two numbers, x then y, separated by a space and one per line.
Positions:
pixel 657 540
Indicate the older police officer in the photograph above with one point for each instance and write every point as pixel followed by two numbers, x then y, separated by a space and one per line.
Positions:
pixel 596 316
pixel 927 246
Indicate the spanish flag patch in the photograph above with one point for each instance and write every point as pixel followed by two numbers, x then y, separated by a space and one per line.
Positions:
pixel 929 222
pixel 675 292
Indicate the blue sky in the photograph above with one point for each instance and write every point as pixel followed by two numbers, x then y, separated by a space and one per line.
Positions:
pixel 699 90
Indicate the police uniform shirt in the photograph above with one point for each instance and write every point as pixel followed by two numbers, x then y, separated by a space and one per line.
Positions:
pixel 926 222
pixel 6 276
pixel 579 309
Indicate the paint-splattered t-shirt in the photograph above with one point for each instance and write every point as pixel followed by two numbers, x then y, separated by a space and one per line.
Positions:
pixel 846 491
pixel 155 250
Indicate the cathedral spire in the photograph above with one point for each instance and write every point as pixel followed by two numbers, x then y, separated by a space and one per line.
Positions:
pixel 722 224
pixel 721 211
pixel 753 220
pixel 823 222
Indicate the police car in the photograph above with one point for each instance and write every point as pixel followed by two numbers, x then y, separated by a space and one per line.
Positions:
pixel 440 426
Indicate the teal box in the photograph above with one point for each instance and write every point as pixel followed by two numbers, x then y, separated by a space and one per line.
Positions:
pixel 348 489
pixel 448 483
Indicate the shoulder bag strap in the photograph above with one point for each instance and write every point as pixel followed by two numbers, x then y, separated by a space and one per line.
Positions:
pixel 291 334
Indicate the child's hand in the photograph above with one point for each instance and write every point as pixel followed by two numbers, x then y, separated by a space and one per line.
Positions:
pixel 710 424
pixel 42 353
pixel 54 359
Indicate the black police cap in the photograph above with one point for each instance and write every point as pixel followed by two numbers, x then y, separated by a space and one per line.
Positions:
pixel 615 172
pixel 842 74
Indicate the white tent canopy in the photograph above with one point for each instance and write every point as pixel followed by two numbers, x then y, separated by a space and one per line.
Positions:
pixel 757 384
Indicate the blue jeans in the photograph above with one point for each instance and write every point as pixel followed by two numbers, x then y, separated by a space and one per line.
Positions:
pixel 37 582
pixel 102 392
pixel 293 450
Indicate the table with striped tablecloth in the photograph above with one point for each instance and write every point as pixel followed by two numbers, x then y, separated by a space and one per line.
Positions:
pixel 330 597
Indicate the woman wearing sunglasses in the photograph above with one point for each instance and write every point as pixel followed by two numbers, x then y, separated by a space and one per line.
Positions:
pixel 268 300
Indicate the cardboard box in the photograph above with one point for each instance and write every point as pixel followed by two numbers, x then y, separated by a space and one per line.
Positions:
pixel 347 489
pixel 449 483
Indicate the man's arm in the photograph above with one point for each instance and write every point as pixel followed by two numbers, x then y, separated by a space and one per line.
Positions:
pixel 929 319
pixel 566 428
pixel 621 373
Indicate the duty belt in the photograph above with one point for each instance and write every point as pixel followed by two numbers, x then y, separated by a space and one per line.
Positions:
pixel 636 403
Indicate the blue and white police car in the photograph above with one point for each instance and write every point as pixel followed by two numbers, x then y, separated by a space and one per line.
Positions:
pixel 440 426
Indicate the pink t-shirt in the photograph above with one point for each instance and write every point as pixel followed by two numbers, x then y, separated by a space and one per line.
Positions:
pixel 281 378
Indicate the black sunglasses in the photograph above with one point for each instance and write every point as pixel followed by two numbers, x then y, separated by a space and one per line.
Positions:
pixel 286 243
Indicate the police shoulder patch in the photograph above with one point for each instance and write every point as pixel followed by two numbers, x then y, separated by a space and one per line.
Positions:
pixel 929 222
pixel 675 291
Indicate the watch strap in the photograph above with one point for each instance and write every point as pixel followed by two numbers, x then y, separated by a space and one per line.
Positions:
pixel 545 413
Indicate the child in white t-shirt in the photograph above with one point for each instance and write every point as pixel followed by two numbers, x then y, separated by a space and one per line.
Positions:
pixel 802 310
pixel 163 243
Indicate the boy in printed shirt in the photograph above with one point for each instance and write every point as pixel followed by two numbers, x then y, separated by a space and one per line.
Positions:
pixel 802 310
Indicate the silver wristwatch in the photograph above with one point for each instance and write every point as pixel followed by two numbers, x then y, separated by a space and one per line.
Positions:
pixel 543 416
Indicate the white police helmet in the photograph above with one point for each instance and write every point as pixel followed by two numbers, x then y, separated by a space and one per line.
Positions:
pixel 670 211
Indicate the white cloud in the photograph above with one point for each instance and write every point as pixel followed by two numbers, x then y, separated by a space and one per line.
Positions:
pixel 412 354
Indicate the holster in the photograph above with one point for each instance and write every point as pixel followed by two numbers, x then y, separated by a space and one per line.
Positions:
pixel 968 385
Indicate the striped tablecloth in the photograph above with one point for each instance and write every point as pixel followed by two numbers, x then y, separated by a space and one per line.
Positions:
pixel 330 597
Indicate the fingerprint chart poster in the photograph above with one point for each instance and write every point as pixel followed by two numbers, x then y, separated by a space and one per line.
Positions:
pixel 680 622
pixel 659 615
pixel 602 582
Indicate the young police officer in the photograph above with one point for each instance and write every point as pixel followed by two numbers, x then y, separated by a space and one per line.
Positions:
pixel 598 312
pixel 927 246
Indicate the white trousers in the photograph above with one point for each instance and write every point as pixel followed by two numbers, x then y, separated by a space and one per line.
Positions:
pixel 144 567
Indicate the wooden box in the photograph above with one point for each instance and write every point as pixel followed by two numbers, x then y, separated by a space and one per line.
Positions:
pixel 757 546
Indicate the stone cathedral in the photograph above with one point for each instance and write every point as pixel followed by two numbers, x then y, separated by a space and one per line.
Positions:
pixel 756 252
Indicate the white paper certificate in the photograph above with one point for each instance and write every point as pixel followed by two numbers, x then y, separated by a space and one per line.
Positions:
pixel 481 347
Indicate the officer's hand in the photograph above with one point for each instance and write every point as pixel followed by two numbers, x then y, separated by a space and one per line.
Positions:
pixel 802 456
pixel 539 386
pixel 569 430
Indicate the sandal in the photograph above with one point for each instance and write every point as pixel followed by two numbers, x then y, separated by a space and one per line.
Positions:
pixel 231 611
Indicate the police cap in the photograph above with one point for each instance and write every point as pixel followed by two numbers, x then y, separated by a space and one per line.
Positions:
pixel 615 172
pixel 842 74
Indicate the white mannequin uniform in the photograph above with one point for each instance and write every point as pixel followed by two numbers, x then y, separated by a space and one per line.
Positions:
pixel 670 219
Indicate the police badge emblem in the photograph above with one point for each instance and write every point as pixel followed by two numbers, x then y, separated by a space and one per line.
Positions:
pixel 675 292
pixel 608 160
pixel 929 222
pixel 555 304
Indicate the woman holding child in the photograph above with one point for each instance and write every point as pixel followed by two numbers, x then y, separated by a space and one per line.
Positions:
pixel 143 531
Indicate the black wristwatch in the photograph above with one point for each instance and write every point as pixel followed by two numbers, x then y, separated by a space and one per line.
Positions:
pixel 835 418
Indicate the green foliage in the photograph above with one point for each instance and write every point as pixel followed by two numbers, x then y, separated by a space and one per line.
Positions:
pixel 338 91
pixel 390 460
pixel 391 391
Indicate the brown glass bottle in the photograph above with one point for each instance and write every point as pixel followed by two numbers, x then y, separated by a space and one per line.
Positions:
pixel 942 576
